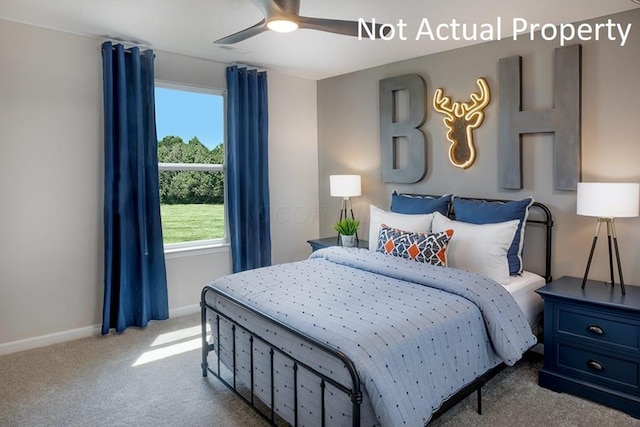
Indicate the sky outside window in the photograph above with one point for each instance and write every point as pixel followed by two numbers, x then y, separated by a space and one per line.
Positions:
pixel 188 114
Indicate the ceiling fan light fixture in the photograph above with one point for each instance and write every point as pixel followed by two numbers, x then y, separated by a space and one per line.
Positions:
pixel 282 25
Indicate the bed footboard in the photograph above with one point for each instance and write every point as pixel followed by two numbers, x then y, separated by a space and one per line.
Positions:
pixel 267 409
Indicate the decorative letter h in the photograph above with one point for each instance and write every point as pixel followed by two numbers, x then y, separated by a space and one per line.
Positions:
pixel 564 120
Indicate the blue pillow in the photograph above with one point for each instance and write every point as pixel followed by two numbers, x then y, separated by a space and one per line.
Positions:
pixel 419 204
pixel 483 212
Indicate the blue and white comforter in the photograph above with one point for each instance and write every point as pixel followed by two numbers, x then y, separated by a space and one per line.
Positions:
pixel 415 332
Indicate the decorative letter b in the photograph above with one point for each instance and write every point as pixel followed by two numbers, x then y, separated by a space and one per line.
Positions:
pixel 391 131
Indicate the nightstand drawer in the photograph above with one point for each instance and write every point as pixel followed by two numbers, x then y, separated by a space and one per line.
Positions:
pixel 598 326
pixel 599 368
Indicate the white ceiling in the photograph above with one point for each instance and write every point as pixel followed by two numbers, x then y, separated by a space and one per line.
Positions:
pixel 189 27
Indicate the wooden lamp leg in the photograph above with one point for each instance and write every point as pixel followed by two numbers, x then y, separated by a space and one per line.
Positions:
pixel 615 245
pixel 593 247
pixel 609 233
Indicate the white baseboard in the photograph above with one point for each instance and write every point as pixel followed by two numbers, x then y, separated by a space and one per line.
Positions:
pixel 44 340
pixel 74 334
pixel 183 311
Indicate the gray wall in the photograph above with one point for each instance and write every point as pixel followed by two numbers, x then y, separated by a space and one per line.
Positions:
pixel 348 137
pixel 51 168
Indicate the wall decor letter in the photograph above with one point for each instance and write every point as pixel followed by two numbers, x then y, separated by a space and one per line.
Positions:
pixel 392 130
pixel 564 120
pixel 461 118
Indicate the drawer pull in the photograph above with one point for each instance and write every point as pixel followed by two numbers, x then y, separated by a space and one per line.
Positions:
pixel 595 329
pixel 595 365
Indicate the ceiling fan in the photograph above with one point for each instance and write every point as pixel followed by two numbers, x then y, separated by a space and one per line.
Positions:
pixel 284 16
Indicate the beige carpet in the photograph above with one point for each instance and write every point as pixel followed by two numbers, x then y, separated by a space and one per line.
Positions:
pixel 134 379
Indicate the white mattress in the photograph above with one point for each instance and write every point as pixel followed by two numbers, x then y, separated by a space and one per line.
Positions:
pixel 522 289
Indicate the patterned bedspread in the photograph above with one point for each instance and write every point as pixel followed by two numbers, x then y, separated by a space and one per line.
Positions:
pixel 416 333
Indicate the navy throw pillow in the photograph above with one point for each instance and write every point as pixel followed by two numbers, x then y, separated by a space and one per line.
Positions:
pixel 419 204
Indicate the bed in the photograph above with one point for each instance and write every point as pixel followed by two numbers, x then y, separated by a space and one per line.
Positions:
pixel 358 337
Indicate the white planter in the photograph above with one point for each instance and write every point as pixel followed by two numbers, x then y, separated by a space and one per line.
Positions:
pixel 349 241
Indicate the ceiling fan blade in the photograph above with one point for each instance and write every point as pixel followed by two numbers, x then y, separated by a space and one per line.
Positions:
pixel 269 8
pixel 347 28
pixel 244 34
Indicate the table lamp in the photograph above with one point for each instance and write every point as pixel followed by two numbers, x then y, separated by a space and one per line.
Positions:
pixel 606 202
pixel 345 186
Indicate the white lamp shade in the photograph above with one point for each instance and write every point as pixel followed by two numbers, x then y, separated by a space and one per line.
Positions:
pixel 345 185
pixel 608 199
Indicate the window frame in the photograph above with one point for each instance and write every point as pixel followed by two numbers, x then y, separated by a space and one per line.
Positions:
pixel 200 245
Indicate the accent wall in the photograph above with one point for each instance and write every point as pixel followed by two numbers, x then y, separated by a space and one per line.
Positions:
pixel 348 138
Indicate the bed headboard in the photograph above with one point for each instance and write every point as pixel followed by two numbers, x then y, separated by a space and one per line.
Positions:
pixel 539 216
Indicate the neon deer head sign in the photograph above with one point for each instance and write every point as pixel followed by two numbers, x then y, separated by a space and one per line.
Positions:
pixel 461 119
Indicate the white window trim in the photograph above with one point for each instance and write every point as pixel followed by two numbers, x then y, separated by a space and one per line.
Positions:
pixel 198 247
pixel 198 167
pixel 191 88
pixel 171 253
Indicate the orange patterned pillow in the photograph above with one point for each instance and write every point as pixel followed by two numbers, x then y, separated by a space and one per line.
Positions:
pixel 422 247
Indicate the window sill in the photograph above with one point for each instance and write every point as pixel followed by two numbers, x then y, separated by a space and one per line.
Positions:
pixel 196 250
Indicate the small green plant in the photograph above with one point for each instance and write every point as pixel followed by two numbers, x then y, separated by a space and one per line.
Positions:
pixel 347 226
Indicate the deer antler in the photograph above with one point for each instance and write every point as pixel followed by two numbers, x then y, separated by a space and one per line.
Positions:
pixel 443 105
pixel 478 101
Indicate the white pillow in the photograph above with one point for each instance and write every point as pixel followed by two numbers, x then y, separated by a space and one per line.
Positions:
pixel 478 248
pixel 405 222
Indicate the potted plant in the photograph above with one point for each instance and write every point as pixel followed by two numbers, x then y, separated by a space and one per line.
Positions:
pixel 347 229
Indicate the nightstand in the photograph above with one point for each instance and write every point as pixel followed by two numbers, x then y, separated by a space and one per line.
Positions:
pixel 592 342
pixel 332 241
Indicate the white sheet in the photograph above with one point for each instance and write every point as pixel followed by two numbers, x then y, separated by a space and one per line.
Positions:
pixel 522 289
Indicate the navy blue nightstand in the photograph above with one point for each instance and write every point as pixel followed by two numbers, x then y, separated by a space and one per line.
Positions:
pixel 592 342
pixel 332 241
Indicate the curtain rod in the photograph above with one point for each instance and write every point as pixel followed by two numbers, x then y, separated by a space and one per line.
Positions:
pixel 248 66
pixel 128 45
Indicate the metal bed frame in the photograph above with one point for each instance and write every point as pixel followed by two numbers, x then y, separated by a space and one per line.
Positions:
pixel 354 392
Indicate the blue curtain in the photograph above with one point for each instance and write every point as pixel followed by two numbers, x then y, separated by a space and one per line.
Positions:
pixel 248 168
pixel 135 280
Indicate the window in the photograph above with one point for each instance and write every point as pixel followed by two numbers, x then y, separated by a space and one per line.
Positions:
pixel 190 126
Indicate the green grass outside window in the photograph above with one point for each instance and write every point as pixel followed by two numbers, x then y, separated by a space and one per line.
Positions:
pixel 187 223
